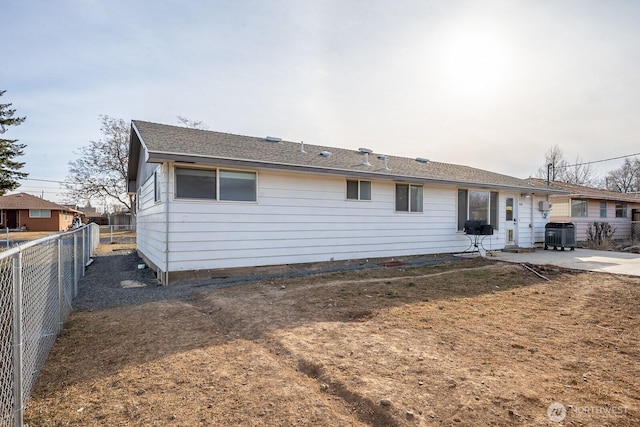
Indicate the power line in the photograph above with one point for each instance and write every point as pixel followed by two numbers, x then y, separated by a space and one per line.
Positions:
pixel 43 180
pixel 599 161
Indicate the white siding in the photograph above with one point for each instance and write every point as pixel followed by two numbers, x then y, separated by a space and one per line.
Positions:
pixel 306 218
pixel 540 220
pixel 301 217
pixel 151 220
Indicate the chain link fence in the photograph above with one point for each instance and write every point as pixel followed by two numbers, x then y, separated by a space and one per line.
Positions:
pixel 38 282
pixel 118 234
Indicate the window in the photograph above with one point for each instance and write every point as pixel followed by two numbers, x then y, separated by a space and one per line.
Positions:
pixel 408 198
pixel 39 213
pixel 195 184
pixel 603 209
pixel 508 204
pixel 203 184
pixel 621 210
pixel 156 186
pixel 578 207
pixel 238 186
pixel 478 206
pixel 358 190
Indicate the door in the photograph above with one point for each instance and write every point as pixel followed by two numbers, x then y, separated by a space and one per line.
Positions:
pixel 12 218
pixel 510 219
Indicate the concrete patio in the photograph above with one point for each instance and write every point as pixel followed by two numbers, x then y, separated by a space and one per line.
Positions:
pixel 580 259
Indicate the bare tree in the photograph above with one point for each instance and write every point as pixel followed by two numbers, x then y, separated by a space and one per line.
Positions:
pixel 580 173
pixel 625 179
pixel 100 173
pixel 554 162
pixel 193 124
pixel 556 168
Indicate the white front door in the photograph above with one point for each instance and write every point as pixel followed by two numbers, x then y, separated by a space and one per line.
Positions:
pixel 510 223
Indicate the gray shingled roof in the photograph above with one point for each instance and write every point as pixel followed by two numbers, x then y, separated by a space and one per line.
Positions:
pixel 583 192
pixel 27 201
pixel 173 143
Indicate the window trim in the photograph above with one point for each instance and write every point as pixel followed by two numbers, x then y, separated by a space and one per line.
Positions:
pixel 623 209
pixel 40 211
pixel 409 198
pixel 157 193
pixel 493 209
pixel 358 183
pixel 603 205
pixel 217 171
pixel 584 202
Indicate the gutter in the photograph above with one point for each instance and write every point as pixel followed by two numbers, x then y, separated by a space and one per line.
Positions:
pixel 160 157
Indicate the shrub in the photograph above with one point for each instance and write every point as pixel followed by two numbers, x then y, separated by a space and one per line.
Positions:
pixel 599 235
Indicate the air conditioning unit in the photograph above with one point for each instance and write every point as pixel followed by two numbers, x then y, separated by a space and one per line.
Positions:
pixel 544 206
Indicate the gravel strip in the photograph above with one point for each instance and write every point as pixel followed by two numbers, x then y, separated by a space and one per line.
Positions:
pixel 100 288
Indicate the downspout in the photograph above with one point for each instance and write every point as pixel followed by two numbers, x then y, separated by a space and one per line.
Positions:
pixel 165 279
pixel 532 226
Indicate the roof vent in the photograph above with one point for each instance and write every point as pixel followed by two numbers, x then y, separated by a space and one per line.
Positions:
pixel 325 153
pixel 422 160
pixel 385 160
pixel 365 162
pixel 302 147
pixel 365 150
pixel 273 139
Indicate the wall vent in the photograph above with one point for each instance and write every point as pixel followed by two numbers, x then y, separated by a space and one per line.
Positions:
pixel 273 139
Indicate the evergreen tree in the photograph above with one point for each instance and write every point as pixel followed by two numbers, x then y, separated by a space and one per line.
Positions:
pixel 9 150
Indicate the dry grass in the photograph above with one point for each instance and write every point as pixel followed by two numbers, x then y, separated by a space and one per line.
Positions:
pixel 470 344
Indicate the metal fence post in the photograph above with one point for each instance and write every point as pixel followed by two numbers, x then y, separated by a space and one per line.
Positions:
pixel 84 250
pixel 17 340
pixel 111 233
pixel 60 286
pixel 75 264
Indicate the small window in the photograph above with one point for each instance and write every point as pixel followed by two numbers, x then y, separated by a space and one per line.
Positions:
pixel 195 183
pixel 621 210
pixel 409 198
pixel 238 186
pixel 156 186
pixel 39 213
pixel 358 190
pixel 603 209
pixel 578 208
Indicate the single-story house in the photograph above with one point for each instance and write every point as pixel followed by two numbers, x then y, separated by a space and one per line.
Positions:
pixel 210 200
pixel 585 205
pixel 27 212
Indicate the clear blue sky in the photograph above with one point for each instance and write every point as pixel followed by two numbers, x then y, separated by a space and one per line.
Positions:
pixel 490 84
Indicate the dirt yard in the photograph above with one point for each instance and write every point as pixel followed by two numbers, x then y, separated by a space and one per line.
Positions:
pixel 473 343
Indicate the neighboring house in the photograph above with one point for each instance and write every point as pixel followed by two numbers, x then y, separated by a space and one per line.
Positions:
pixel 586 205
pixel 209 200
pixel 24 211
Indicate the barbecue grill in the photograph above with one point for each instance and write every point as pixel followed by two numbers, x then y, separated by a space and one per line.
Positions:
pixel 477 231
